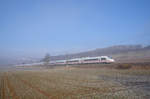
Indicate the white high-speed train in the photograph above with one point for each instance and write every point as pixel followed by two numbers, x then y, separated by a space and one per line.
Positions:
pixel 84 60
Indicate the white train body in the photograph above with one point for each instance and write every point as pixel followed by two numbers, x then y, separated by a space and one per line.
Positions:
pixel 85 60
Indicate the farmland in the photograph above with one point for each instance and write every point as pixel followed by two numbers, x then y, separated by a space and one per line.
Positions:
pixel 75 82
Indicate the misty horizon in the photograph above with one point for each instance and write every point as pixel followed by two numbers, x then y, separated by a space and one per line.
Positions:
pixel 20 58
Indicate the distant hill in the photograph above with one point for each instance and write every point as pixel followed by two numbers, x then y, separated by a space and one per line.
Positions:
pixel 121 53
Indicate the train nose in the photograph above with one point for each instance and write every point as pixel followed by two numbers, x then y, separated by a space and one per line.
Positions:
pixel 112 60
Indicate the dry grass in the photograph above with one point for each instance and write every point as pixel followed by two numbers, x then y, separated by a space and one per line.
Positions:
pixel 67 83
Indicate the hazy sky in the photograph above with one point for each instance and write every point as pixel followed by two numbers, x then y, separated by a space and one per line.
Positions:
pixel 64 26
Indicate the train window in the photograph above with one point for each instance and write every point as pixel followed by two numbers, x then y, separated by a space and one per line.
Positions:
pixel 59 62
pixel 90 59
pixel 103 58
pixel 73 61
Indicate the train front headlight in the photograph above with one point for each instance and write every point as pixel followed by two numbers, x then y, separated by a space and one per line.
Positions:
pixel 112 60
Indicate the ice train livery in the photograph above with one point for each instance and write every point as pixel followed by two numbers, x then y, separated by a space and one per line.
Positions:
pixel 84 60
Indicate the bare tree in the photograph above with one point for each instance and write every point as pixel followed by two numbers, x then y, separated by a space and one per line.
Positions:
pixel 46 59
